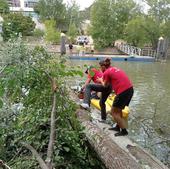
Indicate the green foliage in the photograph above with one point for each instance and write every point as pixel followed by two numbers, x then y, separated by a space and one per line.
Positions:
pixel 103 23
pixel 38 33
pixel 58 11
pixel 159 9
pixel 124 11
pixel 108 19
pixel 52 35
pixel 4 8
pixel 27 106
pixel 152 29
pixel 135 33
pixel 112 20
pixel 73 14
pixel 165 29
pixel 15 24
pixel 155 23
pixel 49 9
pixel 72 32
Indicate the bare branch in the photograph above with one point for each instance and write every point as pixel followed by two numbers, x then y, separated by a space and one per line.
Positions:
pixel 1 71
pixel 53 82
pixel 3 165
pixel 35 153
pixel 49 77
pixel 52 133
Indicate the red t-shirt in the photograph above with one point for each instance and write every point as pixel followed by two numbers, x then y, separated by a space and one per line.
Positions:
pixel 119 80
pixel 95 74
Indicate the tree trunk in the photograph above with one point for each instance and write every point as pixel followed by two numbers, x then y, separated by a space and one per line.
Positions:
pixel 110 153
pixel 116 152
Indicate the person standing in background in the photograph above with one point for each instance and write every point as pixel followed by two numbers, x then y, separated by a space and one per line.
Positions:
pixel 70 46
pixel 63 44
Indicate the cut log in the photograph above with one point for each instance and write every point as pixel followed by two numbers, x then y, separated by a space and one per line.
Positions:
pixel 110 153
pixel 114 152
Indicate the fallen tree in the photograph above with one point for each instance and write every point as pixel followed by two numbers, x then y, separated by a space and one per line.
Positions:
pixel 110 151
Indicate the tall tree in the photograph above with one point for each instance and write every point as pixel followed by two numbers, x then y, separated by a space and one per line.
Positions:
pixel 103 21
pixel 135 34
pixel 63 14
pixel 73 15
pixel 125 11
pixel 159 9
pixel 109 18
pixel 72 32
pixel 152 29
pixel 52 9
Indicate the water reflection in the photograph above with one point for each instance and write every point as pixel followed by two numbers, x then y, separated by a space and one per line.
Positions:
pixel 149 122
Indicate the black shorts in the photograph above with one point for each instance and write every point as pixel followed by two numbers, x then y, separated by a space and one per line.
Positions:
pixel 123 99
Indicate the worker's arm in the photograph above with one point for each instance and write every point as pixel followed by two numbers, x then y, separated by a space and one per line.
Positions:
pixel 103 82
pixel 100 80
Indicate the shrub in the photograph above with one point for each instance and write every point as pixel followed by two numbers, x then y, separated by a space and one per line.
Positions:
pixel 72 32
pixel 52 35
pixel 26 93
pixel 16 23
pixel 38 33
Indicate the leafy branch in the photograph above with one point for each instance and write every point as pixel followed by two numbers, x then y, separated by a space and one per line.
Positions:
pixel 47 164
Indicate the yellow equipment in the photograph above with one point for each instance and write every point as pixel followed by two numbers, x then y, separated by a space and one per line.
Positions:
pixel 109 102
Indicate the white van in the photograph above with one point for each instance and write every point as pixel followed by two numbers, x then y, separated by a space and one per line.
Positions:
pixel 81 40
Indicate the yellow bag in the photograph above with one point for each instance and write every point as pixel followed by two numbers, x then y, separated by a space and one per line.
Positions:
pixel 109 102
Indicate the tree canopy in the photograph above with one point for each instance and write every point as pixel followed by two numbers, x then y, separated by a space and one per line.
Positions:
pixel 112 20
pixel 63 14
pixel 159 9
pixel 4 7
pixel 108 20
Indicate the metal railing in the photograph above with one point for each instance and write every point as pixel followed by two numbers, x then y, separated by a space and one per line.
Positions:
pixel 135 51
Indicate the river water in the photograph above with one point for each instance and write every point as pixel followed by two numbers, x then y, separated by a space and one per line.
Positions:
pixel 149 121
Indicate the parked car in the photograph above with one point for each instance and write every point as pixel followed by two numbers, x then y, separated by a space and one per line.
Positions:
pixel 81 40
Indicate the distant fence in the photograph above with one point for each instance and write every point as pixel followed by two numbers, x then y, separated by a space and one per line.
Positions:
pixel 135 51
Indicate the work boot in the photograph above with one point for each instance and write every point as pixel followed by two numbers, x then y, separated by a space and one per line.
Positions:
pixel 102 121
pixel 116 128
pixel 85 106
pixel 123 132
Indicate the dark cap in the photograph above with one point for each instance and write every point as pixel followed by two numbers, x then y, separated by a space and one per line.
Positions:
pixel 105 62
pixel 107 59
pixel 102 63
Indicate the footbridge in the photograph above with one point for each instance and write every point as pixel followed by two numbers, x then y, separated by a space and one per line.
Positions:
pixel 136 51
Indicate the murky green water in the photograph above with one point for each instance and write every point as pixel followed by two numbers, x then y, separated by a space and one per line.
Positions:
pixel 149 122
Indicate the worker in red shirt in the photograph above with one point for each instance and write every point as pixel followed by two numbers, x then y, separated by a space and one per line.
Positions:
pixel 93 74
pixel 123 89
pixel 98 87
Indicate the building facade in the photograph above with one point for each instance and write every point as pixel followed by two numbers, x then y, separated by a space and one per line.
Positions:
pixel 24 6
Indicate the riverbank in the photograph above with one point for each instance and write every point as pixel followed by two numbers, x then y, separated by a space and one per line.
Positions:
pixel 115 152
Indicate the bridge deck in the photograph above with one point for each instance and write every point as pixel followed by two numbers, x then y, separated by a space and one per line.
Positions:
pixel 113 57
